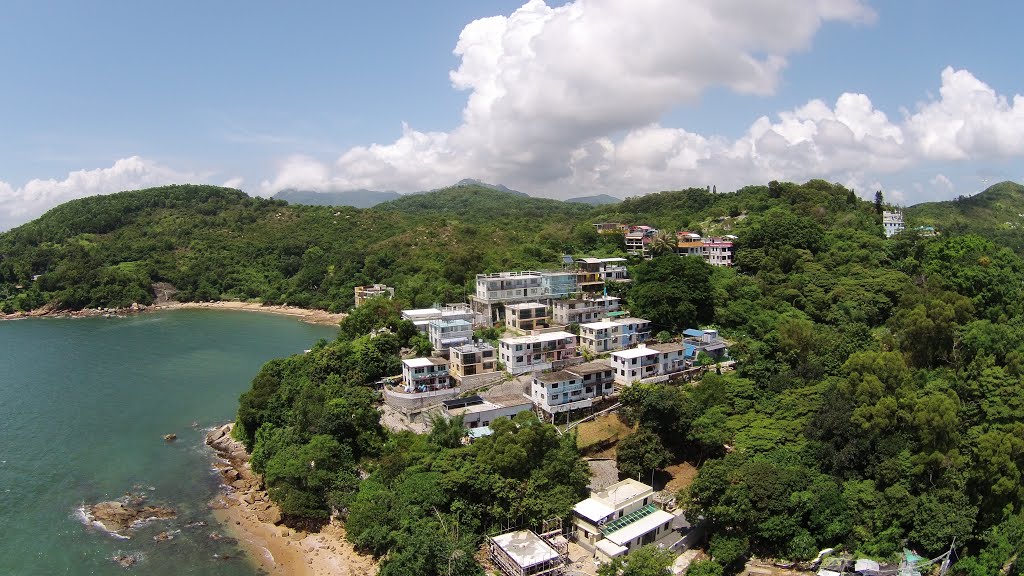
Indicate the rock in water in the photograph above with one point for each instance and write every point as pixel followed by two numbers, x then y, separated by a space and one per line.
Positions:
pixel 117 516
pixel 170 437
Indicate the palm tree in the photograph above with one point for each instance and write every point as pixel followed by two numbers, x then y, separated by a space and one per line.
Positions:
pixel 663 242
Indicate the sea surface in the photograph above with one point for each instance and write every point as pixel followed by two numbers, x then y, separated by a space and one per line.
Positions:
pixel 84 405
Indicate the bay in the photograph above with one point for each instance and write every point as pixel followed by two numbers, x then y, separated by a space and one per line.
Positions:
pixel 84 405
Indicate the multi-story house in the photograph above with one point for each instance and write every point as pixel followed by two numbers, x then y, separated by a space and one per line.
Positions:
pixel 610 228
pixel 582 310
pixel 472 359
pixel 446 333
pixel 495 291
pixel 650 361
pixel 619 519
pixel 422 317
pixel 572 388
pixel 638 239
pixel 717 251
pixel 364 293
pixel 537 352
pixel 613 334
pixel 707 341
pixel 892 222
pixel 425 374
pixel 527 316
pixel 593 273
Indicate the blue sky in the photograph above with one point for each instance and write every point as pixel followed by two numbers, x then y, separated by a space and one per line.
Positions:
pixel 562 99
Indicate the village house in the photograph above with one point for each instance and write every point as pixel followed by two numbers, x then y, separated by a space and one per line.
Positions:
pixel 592 273
pixel 619 519
pixel 581 310
pixel 651 361
pixel 364 293
pixel 610 228
pixel 638 239
pixel 537 352
pixel 707 341
pixel 425 375
pixel 892 223
pixel 495 291
pixel 524 553
pixel 613 334
pixel 717 251
pixel 471 360
pixel 572 388
pixel 527 316
pixel 421 317
pixel 447 333
pixel 479 413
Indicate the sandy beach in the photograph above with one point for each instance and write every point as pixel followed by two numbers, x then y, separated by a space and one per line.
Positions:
pixel 303 314
pixel 247 515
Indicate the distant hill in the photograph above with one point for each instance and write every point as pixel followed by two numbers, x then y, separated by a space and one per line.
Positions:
pixel 479 203
pixel 477 183
pixel 599 200
pixel 354 198
pixel 997 212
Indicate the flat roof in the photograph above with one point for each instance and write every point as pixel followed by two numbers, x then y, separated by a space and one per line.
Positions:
pixel 526 305
pixel 640 527
pixel 460 402
pixel 623 491
pixel 480 432
pixel 614 321
pixel 544 337
pixel 590 367
pixel 693 332
pixel 420 312
pixel 559 376
pixel 424 362
pixel 593 510
pixel 635 352
pixel 669 347
pixel 609 548
pixel 445 322
pixel 525 548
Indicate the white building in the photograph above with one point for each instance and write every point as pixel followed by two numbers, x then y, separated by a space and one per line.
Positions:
pixel 478 413
pixel 537 352
pixel 892 222
pixel 572 388
pixel 422 317
pixel 524 553
pixel 613 334
pixel 649 361
pixel 717 251
pixel 425 375
pixel 494 291
pixel 592 273
pixel 581 310
pixel 637 240
pixel 619 519
pixel 447 333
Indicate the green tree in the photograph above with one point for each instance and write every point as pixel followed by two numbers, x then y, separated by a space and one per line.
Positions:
pixel 644 561
pixel 640 454
pixel 675 291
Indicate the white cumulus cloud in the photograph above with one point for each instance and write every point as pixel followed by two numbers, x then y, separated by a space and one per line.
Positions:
pixel 21 204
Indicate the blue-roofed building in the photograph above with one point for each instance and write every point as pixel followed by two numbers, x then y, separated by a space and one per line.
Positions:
pixel 693 333
pixel 706 341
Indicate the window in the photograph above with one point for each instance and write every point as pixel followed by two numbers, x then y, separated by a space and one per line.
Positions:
pixel 519 359
pixel 608 386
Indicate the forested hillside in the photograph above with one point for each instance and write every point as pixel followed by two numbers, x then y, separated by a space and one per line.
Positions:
pixel 997 212
pixel 878 401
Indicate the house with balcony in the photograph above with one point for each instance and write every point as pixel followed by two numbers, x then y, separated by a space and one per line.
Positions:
pixel 527 316
pixel 472 359
pixel 583 310
pixel 364 293
pixel 650 361
pixel 425 375
pixel 892 223
pixel 422 317
pixel 537 352
pixel 613 334
pixel 717 251
pixel 593 273
pixel 445 333
pixel 497 290
pixel 619 519
pixel 572 388
pixel 637 240
pixel 707 341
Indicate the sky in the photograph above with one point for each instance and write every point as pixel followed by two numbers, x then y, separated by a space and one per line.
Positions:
pixel 921 99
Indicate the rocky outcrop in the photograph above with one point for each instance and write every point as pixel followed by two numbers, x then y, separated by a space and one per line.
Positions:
pixel 237 475
pixel 116 516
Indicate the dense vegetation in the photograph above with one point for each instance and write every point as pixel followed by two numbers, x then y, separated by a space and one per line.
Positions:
pixel 878 401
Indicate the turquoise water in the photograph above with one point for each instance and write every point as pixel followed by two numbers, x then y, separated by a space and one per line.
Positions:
pixel 84 404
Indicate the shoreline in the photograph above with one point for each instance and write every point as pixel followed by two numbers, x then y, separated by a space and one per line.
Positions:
pixel 311 316
pixel 245 512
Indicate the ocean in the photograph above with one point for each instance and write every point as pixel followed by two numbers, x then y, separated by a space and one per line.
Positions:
pixel 84 406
